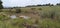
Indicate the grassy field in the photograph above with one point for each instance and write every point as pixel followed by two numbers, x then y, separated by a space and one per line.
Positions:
pixel 41 17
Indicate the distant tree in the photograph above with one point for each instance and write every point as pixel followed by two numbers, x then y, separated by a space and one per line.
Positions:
pixel 58 4
pixel 1 6
pixel 47 4
pixel 52 5
pixel 31 6
pixel 39 5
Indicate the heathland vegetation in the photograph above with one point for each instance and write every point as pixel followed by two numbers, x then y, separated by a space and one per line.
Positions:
pixel 34 16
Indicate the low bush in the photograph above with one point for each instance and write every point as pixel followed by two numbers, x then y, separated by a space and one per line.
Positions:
pixel 40 9
pixel 18 10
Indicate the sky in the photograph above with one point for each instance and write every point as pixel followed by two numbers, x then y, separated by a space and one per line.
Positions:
pixel 13 3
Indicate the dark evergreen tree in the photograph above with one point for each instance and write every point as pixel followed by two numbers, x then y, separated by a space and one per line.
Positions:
pixel 58 4
pixel 1 6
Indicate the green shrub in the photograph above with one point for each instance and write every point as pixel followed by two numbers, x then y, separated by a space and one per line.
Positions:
pixel 18 10
pixel 33 8
pixel 3 17
pixel 0 10
pixel 39 8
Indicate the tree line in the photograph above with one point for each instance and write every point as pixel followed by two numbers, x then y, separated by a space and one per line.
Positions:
pixel 43 5
pixel 1 6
